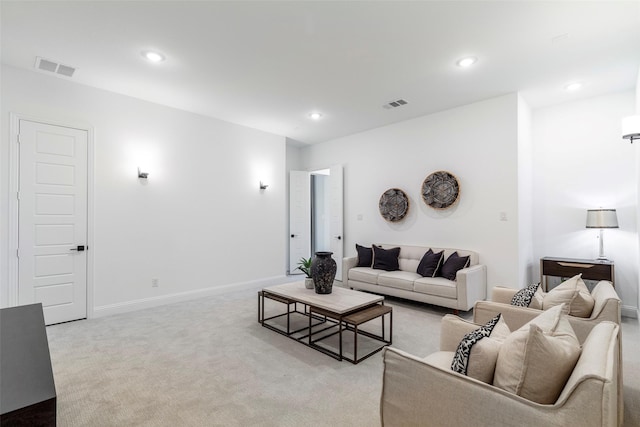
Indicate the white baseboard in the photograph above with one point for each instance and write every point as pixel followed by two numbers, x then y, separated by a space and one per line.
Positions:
pixel 128 306
pixel 628 311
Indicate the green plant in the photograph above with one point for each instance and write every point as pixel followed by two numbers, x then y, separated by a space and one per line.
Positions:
pixel 304 265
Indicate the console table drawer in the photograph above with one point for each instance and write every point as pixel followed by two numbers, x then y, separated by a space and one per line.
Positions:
pixel 568 267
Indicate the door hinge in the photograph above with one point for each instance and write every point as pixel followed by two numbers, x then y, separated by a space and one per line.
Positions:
pixel 18 253
pixel 18 195
pixel 18 139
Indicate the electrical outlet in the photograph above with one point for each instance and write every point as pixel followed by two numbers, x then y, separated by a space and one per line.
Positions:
pixel 154 283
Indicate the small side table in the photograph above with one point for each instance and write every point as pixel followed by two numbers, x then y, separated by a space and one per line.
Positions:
pixel 591 269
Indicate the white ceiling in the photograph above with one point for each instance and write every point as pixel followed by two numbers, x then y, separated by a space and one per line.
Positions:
pixel 267 65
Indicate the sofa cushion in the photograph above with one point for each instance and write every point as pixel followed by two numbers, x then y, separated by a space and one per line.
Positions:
pixel 365 256
pixel 385 259
pixel 581 303
pixel 525 353
pixel 430 263
pixel 523 297
pixel 451 266
pixel 398 279
pixel 364 274
pixel 437 286
pixel 538 297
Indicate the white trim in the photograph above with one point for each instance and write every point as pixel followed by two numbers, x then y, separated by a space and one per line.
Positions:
pixel 140 304
pixel 629 311
pixel 14 169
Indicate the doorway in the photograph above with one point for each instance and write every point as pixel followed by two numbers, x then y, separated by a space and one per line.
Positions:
pixel 316 215
pixel 52 218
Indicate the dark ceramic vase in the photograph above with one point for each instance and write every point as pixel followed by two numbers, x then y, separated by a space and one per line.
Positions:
pixel 323 271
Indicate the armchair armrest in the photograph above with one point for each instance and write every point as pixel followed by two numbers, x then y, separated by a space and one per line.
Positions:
pixel 502 294
pixel 347 264
pixel 607 302
pixel 472 286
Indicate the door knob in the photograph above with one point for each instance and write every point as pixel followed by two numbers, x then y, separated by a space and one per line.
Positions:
pixel 79 248
pixel 293 235
pixel 339 237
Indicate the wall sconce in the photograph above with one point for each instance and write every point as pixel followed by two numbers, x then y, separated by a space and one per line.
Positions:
pixel 631 128
pixel 143 175
pixel 602 218
pixel 263 186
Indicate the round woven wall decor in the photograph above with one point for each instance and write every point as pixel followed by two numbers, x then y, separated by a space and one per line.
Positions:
pixel 394 205
pixel 440 190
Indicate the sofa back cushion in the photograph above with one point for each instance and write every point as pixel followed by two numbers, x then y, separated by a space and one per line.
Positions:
pixel 410 256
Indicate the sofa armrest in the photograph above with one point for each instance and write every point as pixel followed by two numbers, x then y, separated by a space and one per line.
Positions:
pixel 502 294
pixel 348 264
pixel 452 329
pixel 515 317
pixel 415 393
pixel 472 286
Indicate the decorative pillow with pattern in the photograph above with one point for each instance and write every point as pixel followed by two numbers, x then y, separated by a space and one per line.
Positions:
pixel 460 361
pixel 523 297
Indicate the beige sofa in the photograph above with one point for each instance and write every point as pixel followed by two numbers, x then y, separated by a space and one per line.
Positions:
pixel 426 392
pixel 470 284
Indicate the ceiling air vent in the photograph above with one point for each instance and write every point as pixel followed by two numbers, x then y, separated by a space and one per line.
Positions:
pixel 395 104
pixel 54 67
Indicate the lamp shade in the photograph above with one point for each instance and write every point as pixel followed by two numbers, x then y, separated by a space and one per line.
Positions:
pixel 602 218
pixel 631 127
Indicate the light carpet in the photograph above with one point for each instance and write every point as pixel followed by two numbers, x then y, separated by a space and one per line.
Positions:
pixel 208 362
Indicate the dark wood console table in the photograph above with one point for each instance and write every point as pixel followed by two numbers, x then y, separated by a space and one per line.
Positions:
pixel 591 269
pixel 27 389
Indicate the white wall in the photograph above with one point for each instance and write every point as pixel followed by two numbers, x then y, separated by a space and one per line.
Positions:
pixel 200 223
pixel 582 162
pixel 525 195
pixel 478 143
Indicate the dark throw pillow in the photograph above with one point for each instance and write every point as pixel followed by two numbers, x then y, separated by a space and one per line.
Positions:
pixel 365 256
pixel 452 265
pixel 461 358
pixel 430 263
pixel 523 297
pixel 385 259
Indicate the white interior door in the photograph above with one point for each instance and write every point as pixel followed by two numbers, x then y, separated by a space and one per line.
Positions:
pixel 52 220
pixel 336 217
pixel 299 218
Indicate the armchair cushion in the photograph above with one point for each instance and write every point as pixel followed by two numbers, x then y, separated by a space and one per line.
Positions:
pixel 523 365
pixel 581 304
pixel 523 297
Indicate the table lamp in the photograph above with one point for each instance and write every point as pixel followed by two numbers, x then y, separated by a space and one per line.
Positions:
pixel 602 218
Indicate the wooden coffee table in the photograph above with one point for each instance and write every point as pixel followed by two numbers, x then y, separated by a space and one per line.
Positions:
pixel 341 310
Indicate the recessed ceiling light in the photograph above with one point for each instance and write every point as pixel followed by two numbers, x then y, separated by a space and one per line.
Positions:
pixel 467 62
pixel 572 87
pixel 315 116
pixel 153 56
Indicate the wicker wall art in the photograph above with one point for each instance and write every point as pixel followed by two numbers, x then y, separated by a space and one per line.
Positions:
pixel 440 190
pixel 394 205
